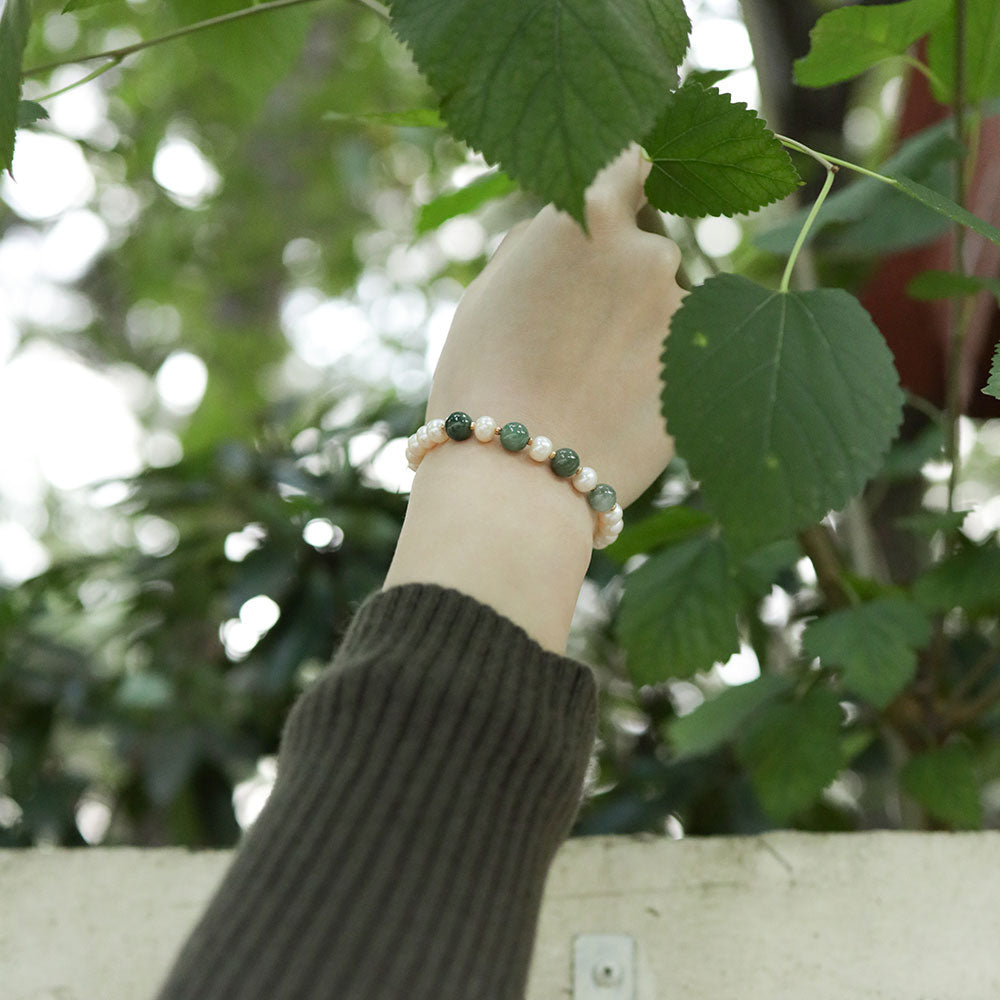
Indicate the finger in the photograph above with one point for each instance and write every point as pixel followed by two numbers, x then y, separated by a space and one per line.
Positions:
pixel 617 192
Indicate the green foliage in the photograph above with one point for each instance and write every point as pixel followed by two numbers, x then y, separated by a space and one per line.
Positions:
pixel 678 612
pixel 664 527
pixel 712 156
pixel 849 40
pixel 947 284
pixel 993 385
pixel 792 751
pixel 115 677
pixel 875 643
pixel 720 720
pixel 943 781
pixel 84 4
pixel 269 43
pixel 551 92
pixel 414 118
pixel 946 207
pixel 13 38
pixel 982 42
pixel 969 579
pixel 29 112
pixel 811 402
pixel 465 200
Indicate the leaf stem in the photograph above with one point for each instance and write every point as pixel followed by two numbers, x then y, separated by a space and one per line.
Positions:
pixel 827 160
pixel 922 67
pixel 100 71
pixel 211 22
pixel 806 226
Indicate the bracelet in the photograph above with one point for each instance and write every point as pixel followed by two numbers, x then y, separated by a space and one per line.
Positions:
pixel 514 436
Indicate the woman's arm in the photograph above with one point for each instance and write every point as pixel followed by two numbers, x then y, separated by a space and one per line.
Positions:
pixel 563 332
pixel 429 775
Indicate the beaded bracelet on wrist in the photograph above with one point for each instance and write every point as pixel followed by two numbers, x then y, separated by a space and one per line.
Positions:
pixel 514 436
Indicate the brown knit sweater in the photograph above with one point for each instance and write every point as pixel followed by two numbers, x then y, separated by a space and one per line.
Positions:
pixel 425 782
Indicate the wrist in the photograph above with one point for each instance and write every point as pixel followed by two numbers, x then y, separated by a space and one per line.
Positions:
pixel 501 529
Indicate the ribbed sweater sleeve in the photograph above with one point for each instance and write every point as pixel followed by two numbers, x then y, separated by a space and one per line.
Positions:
pixel 425 782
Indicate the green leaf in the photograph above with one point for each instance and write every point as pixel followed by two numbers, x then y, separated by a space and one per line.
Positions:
pixel 712 156
pixel 663 527
pixel 943 781
pixel 248 56
pixel 945 206
pixel 982 43
pixel 678 611
pixel 928 523
pixel 82 4
pixel 849 40
pixel 708 77
pixel 757 572
pixel 414 118
pixel 875 643
pixel 783 404
pixel 993 385
pixel 13 37
pixel 969 579
pixel 718 721
pixel 553 90
pixel 467 199
pixel 29 112
pixel 948 284
pixel 792 751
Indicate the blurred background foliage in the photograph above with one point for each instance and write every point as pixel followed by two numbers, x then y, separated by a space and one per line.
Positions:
pixel 260 277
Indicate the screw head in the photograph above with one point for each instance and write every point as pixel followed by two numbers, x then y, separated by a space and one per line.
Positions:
pixel 607 973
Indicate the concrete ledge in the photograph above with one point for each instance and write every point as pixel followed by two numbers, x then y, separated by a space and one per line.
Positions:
pixel 787 916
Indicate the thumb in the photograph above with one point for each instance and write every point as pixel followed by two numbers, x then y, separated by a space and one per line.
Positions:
pixel 617 192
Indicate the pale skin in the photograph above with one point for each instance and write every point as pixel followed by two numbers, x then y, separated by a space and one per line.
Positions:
pixel 563 332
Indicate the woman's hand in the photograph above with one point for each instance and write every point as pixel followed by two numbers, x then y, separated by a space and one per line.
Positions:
pixel 563 332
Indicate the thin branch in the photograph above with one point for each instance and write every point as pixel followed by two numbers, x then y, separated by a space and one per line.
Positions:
pixel 126 50
pixel 962 715
pixel 977 673
pixel 960 311
pixel 817 543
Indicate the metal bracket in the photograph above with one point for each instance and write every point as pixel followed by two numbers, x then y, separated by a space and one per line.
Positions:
pixel 604 967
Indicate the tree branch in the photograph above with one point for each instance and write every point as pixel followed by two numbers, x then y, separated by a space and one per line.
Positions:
pixel 116 55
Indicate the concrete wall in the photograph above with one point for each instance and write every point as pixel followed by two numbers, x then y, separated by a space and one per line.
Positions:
pixel 787 916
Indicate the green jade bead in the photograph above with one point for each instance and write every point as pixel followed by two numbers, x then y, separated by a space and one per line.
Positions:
pixel 514 436
pixel 602 497
pixel 565 462
pixel 458 426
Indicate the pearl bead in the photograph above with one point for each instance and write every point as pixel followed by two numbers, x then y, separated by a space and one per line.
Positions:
pixel 540 449
pixel 413 443
pixel 485 429
pixel 585 480
pixel 613 516
pixel 436 431
pixel 424 439
pixel 614 530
